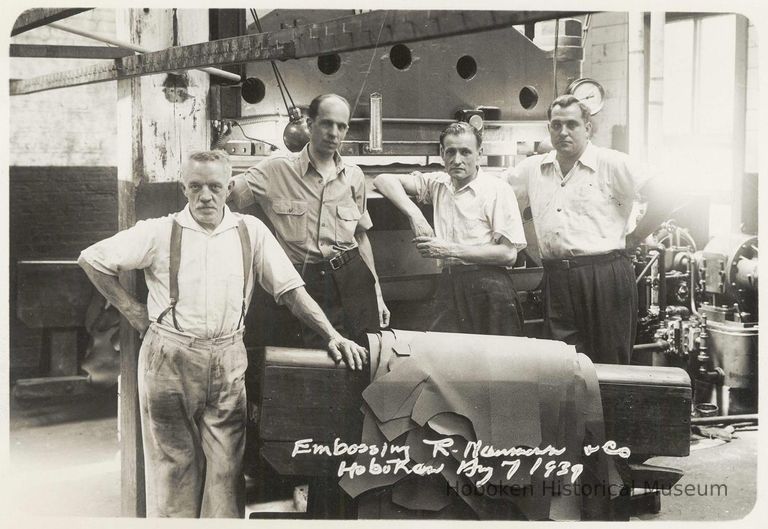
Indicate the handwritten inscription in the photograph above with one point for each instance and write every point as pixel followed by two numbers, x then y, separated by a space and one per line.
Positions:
pixel 395 459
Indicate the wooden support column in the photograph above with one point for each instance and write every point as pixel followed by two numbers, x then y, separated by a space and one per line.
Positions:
pixel 174 112
pixel 161 118
pixel 129 174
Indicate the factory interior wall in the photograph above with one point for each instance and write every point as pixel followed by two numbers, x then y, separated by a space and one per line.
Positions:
pixel 62 175
pixel 605 60
pixel 70 126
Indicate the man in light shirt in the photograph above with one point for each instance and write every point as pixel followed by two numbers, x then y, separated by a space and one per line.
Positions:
pixel 581 197
pixel 478 232
pixel 200 266
pixel 316 202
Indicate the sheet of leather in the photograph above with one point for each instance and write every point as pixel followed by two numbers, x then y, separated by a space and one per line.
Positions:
pixel 450 423
pixel 385 353
pixel 599 469
pixel 504 391
pixel 359 484
pixel 374 354
pixel 404 394
pixel 397 427
pixel 518 508
pixel 503 370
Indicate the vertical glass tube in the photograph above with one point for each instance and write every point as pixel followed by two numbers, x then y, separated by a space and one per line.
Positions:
pixel 375 142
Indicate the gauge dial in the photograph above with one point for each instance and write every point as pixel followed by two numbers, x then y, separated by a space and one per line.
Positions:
pixel 589 92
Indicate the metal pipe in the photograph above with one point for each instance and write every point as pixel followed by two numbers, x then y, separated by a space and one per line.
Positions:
pixel 108 40
pixel 423 121
pixel 640 276
pixel 657 346
pixel 47 262
pixel 692 290
pixel 723 419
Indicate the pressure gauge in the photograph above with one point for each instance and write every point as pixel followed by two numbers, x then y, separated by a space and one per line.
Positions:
pixel 589 92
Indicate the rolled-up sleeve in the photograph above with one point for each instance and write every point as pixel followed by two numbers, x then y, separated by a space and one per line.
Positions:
pixel 249 186
pixel 517 178
pixel 271 266
pixel 131 249
pixel 360 195
pixel 423 184
pixel 504 216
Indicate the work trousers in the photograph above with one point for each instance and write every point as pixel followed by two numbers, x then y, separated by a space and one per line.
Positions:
pixel 347 297
pixel 193 417
pixel 477 300
pixel 593 306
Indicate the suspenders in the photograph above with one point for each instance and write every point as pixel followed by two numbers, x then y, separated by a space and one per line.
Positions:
pixel 245 246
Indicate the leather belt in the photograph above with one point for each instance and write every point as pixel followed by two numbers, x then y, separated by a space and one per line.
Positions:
pixel 334 263
pixel 583 260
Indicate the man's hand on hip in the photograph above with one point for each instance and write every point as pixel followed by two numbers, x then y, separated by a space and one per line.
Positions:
pixel 138 318
pixel 353 355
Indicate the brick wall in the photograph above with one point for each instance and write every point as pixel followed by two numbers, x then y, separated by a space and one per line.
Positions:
pixel 54 212
pixel 68 126
pixel 57 211
pixel 605 60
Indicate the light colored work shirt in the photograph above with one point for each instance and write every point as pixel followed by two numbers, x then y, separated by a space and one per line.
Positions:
pixel 480 212
pixel 585 212
pixel 210 270
pixel 314 219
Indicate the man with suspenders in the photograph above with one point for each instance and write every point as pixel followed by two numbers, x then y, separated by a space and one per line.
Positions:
pixel 200 266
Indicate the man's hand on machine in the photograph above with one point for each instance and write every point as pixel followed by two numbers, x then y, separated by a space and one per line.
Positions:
pixel 353 355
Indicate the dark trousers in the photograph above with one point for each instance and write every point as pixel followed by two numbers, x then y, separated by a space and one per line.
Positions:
pixel 347 297
pixel 593 305
pixel 477 300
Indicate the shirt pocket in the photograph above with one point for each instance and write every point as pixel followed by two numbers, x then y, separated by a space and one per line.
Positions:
pixel 290 219
pixel 347 218
pixel 596 199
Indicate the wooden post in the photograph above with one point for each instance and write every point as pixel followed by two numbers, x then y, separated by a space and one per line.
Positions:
pixel 129 173
pixel 161 118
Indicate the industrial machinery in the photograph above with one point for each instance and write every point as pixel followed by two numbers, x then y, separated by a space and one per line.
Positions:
pixel 699 311
pixel 645 410
pixel 402 97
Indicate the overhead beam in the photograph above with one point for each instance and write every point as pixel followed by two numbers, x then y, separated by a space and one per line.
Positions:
pixel 68 52
pixel 34 18
pixel 353 33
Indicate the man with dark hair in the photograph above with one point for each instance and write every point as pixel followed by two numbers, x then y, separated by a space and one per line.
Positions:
pixel 581 197
pixel 200 266
pixel 477 234
pixel 317 204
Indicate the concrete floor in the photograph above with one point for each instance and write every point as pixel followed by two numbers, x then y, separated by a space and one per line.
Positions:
pixel 65 462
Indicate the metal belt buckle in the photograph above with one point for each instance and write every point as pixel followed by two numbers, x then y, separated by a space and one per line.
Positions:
pixel 332 261
pixel 566 264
